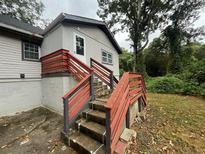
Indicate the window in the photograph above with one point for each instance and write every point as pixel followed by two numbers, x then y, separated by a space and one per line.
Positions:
pixel 106 57
pixel 30 51
pixel 80 45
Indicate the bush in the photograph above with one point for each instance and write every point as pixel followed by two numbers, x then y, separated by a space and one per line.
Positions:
pixel 165 84
pixel 173 85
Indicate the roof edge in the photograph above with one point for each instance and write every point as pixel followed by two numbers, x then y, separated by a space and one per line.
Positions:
pixel 20 30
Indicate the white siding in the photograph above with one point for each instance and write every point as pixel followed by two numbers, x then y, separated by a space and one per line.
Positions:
pixel 11 64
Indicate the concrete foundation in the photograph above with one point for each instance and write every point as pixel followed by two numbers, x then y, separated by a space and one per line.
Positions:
pixel 19 95
pixel 53 89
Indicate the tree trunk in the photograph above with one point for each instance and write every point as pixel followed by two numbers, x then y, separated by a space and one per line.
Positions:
pixel 135 58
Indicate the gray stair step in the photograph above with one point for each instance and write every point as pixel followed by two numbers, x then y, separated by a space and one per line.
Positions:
pixel 104 100
pixel 98 105
pixel 95 115
pixel 100 87
pixel 92 129
pixel 102 92
pixel 85 145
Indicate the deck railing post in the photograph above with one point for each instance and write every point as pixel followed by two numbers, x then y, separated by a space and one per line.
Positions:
pixel 108 132
pixel 111 80
pixel 65 103
pixel 92 94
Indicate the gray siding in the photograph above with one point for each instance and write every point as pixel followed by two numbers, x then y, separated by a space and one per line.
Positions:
pixel 11 64
pixel 95 41
pixel 52 41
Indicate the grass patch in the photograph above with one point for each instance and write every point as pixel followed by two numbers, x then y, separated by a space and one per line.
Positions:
pixel 175 124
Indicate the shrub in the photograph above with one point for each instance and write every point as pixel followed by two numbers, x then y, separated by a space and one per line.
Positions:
pixel 165 84
pixel 190 88
pixel 173 85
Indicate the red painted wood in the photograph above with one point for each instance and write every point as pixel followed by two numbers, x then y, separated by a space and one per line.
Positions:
pixel 80 94
pixel 79 106
pixel 102 66
pixel 54 54
pixel 135 83
pixel 99 71
pixel 84 66
pixel 76 87
pixel 129 89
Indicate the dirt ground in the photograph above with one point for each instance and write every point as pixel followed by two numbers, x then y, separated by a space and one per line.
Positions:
pixel 35 132
pixel 174 124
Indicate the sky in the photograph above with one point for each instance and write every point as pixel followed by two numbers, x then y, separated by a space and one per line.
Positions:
pixel 88 8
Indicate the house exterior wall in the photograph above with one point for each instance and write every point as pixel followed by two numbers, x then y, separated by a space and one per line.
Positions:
pixel 19 95
pixel 95 41
pixel 52 41
pixel 11 63
pixel 53 88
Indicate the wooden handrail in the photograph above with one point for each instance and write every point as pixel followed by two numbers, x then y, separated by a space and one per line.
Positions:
pixel 77 98
pixel 103 73
pixel 105 68
pixel 128 90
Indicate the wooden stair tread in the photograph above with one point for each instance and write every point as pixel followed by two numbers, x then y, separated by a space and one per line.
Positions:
pixel 93 126
pixel 86 143
pixel 96 113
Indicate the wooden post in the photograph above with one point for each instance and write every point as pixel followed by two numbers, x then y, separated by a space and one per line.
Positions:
pixel 128 118
pixel 111 81
pixel 108 132
pixel 92 94
pixel 65 103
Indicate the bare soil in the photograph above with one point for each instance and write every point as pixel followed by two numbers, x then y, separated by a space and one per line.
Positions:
pixel 35 132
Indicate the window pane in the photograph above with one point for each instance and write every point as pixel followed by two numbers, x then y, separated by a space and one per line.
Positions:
pixel 79 45
pixel 104 54
pixel 31 51
pixel 109 56
pixel 104 59
pixel 110 61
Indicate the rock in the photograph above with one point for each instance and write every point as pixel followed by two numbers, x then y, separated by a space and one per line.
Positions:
pixel 63 148
pixel 127 135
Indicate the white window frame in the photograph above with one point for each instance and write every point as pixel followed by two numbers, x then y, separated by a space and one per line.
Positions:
pixel 108 53
pixel 74 45
pixel 23 52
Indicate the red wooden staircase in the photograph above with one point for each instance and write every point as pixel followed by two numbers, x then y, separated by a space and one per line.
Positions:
pixel 96 107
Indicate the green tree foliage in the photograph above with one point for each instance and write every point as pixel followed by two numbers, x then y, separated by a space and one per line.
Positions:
pixel 137 17
pixel 200 52
pixel 182 15
pixel 126 61
pixel 28 11
pixel 156 58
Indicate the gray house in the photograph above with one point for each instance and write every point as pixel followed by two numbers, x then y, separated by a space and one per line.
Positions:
pixel 22 86
pixel 72 68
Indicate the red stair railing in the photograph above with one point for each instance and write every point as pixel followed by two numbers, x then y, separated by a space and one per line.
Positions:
pixel 78 97
pixel 103 73
pixel 128 90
